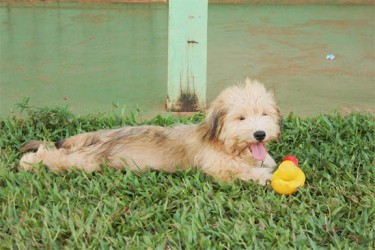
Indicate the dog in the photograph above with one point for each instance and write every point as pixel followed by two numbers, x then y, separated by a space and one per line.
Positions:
pixel 228 144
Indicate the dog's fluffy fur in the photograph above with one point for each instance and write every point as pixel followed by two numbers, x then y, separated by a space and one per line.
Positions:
pixel 223 145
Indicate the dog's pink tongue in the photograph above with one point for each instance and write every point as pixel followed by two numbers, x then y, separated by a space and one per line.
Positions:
pixel 259 151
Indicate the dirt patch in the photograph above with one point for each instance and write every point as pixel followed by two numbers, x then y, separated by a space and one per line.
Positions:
pixel 349 110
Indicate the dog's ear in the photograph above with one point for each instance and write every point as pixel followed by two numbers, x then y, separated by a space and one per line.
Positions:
pixel 214 123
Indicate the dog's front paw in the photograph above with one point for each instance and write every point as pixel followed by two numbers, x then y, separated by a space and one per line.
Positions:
pixel 262 175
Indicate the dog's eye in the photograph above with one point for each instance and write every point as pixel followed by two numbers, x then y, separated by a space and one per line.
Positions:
pixel 241 118
pixel 264 114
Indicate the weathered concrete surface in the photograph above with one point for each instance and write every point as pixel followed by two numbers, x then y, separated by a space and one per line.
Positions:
pixel 90 56
pixel 187 55
pixel 87 58
pixel 286 47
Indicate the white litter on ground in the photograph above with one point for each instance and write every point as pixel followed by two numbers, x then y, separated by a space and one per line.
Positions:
pixel 330 57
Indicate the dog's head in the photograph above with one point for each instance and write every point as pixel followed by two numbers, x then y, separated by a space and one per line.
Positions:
pixel 244 118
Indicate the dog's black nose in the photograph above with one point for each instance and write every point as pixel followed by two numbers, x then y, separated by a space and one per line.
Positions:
pixel 260 135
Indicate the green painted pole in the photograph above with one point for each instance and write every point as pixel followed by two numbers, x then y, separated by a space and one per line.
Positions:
pixel 187 55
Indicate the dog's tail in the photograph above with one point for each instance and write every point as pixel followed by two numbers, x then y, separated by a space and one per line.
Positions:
pixel 31 146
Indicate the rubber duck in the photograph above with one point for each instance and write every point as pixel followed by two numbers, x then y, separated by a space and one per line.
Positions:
pixel 288 177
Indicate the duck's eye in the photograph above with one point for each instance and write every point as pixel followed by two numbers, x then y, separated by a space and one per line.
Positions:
pixel 241 118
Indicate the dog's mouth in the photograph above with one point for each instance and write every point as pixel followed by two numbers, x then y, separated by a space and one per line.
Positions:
pixel 258 150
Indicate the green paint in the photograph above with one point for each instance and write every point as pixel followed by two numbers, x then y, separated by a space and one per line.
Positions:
pixel 88 56
pixel 84 56
pixel 285 47
pixel 187 55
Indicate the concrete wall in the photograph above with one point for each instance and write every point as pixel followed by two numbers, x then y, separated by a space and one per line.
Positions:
pixel 88 56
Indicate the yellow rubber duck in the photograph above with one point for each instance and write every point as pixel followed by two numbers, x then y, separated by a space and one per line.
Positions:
pixel 288 177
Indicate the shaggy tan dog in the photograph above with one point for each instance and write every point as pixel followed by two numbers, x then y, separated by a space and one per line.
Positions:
pixel 229 143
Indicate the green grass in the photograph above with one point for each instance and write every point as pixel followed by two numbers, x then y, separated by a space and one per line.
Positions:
pixel 188 210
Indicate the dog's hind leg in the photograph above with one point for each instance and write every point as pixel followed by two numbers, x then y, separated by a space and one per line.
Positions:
pixel 58 160
pixel 28 160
